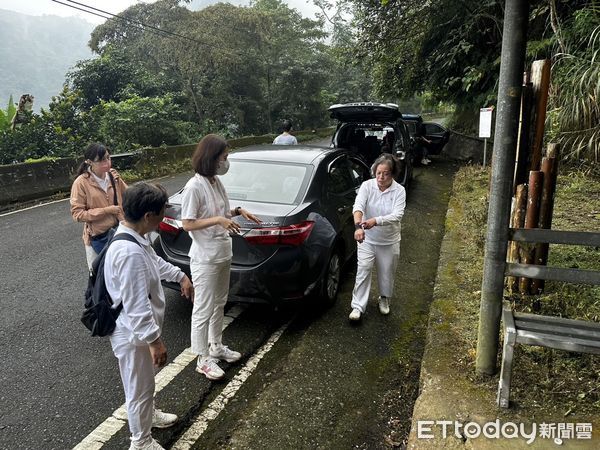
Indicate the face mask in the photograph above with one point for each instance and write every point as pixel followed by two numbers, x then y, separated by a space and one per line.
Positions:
pixel 223 167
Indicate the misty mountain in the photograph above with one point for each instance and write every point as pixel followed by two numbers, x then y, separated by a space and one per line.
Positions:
pixel 36 53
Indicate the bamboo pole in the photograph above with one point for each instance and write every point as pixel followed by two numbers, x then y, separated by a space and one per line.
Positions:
pixel 517 221
pixel 527 253
pixel 524 139
pixel 550 170
pixel 540 77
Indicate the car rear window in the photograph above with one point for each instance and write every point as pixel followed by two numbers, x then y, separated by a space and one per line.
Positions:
pixel 258 181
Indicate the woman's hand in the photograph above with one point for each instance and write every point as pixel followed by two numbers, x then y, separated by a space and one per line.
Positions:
pixel 158 351
pixel 114 210
pixel 229 225
pixel 187 288
pixel 368 224
pixel 359 235
pixel 249 216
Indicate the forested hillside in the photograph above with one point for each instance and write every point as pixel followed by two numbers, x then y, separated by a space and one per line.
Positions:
pixel 37 52
pixel 167 73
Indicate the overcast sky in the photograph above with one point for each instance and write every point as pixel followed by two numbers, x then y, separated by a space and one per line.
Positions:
pixel 39 7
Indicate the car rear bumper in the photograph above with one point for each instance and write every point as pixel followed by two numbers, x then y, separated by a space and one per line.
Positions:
pixel 290 274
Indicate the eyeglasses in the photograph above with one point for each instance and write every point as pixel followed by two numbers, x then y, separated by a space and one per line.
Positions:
pixel 105 159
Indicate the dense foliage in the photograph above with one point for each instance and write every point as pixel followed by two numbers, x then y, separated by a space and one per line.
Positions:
pixel 451 50
pixel 167 74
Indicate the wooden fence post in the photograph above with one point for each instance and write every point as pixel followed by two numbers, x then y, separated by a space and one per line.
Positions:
pixel 540 77
pixel 531 221
pixel 550 170
pixel 517 221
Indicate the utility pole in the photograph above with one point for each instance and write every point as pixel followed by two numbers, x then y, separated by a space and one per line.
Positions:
pixel 514 40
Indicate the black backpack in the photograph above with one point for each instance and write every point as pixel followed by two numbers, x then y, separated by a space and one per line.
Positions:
pixel 98 314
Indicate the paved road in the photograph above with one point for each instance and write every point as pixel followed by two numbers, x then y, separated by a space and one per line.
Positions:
pixel 56 380
pixel 322 384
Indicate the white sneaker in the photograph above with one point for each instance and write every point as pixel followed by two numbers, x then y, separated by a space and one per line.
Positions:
pixel 384 305
pixel 224 353
pixel 425 161
pixel 355 314
pixel 149 444
pixel 209 367
pixel 159 419
pixel 162 419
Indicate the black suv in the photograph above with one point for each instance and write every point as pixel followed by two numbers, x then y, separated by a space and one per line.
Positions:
pixel 370 129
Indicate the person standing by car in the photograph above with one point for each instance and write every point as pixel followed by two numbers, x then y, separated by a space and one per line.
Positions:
pixel 378 210
pixel 96 198
pixel 423 143
pixel 132 272
pixel 286 138
pixel 206 216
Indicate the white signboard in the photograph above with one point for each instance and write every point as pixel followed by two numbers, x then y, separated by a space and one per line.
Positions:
pixel 485 122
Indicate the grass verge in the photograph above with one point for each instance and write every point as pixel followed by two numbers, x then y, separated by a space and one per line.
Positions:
pixel 545 382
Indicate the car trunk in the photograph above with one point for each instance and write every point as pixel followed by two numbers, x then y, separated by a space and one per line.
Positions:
pixel 244 252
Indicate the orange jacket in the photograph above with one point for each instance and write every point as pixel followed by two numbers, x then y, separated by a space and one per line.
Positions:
pixel 89 203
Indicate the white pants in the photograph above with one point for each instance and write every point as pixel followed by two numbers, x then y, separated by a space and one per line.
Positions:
pixel 385 257
pixel 90 255
pixel 211 288
pixel 137 374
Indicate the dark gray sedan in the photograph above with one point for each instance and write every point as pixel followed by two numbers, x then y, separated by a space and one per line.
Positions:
pixel 304 197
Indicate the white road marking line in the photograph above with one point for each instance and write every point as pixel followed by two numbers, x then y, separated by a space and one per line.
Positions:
pixel 194 432
pixel 107 429
pixel 35 206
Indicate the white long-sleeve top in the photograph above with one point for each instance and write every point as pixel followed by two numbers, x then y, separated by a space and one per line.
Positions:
pixel 386 207
pixel 132 274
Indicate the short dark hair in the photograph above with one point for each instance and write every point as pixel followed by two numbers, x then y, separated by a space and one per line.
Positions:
pixel 390 160
pixel 142 198
pixel 287 125
pixel 93 152
pixel 205 159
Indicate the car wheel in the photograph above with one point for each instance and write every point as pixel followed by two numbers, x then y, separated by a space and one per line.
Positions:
pixel 331 279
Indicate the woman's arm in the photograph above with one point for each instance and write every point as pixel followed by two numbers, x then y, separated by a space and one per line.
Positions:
pixel 82 211
pixel 190 205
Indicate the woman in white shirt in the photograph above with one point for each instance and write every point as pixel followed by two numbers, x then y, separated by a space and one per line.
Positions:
pixel 132 273
pixel 378 210
pixel 206 216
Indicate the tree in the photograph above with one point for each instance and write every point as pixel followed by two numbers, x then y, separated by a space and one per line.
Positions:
pixel 138 122
pixel 575 92
pixel 116 76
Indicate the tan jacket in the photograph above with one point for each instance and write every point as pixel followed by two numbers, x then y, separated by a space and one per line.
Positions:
pixel 89 203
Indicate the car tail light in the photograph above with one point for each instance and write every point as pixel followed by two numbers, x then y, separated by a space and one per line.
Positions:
pixel 170 225
pixel 288 235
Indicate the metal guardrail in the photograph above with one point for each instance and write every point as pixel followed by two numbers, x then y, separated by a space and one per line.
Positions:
pixel 543 236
